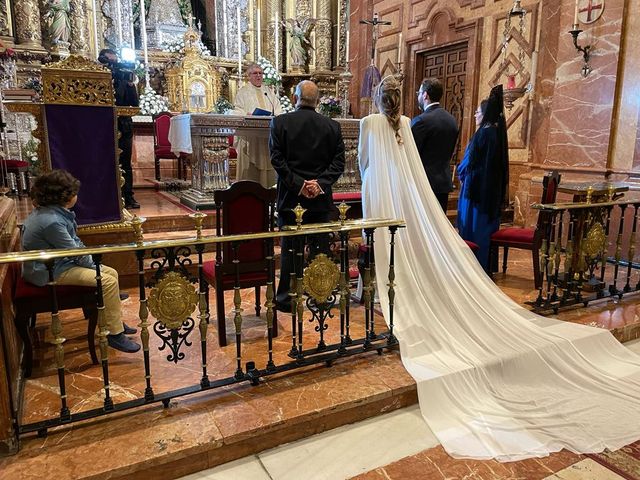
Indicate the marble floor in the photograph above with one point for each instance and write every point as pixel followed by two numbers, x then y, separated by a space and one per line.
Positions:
pixel 254 424
pixel 409 450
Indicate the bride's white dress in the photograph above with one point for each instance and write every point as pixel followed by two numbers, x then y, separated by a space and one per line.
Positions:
pixel 494 380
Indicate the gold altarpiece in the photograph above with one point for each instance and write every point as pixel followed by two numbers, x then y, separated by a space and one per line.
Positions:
pixel 193 83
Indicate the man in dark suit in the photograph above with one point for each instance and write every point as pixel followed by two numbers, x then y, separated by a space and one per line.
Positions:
pixel 307 152
pixel 436 133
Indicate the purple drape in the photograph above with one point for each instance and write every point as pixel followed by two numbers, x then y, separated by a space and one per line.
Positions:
pixel 82 141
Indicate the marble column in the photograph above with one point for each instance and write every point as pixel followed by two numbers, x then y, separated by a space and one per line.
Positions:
pixel 27 17
pixel 323 35
pixel 79 41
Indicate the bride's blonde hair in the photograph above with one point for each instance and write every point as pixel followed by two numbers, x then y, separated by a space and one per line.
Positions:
pixel 388 99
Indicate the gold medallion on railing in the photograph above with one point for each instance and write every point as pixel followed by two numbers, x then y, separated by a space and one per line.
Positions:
pixel 595 241
pixel 172 300
pixel 321 278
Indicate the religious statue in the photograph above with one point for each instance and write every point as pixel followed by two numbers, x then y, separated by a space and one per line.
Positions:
pixel 299 32
pixel 57 17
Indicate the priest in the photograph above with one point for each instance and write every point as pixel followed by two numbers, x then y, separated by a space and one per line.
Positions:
pixel 255 98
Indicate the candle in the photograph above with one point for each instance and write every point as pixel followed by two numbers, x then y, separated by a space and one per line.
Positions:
pixel 258 31
pixel 338 43
pixel 224 25
pixel 575 16
pixel 400 48
pixel 119 23
pixel 277 35
pixel 239 45
pixel 95 28
pixel 143 33
pixel 347 47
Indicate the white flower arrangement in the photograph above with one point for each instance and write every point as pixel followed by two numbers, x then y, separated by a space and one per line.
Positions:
pixel 286 104
pixel 151 103
pixel 271 76
pixel 176 45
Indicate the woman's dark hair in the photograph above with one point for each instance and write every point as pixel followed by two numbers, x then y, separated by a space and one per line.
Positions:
pixel 483 107
pixel 490 191
pixel 56 187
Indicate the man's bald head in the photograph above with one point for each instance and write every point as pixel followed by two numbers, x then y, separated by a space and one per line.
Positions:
pixel 306 94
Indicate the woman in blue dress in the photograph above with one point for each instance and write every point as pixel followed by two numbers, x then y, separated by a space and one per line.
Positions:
pixel 484 176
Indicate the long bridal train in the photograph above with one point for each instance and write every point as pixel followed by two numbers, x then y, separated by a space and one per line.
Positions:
pixel 494 380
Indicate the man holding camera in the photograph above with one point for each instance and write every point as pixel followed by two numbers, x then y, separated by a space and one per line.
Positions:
pixel 126 96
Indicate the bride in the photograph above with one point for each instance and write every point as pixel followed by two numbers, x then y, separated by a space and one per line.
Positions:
pixel 494 380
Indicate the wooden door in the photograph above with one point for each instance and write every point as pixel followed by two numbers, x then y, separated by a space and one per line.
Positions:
pixel 449 65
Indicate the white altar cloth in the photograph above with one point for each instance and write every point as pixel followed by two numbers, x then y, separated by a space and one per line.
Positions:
pixel 180 134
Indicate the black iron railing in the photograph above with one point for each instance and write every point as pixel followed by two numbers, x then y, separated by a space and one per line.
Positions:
pixel 587 253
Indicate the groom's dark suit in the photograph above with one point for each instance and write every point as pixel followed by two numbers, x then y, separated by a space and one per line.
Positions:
pixel 304 145
pixel 436 132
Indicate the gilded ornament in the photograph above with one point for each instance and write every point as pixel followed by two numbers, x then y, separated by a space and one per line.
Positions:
pixel 595 241
pixel 321 278
pixel 77 81
pixel 172 300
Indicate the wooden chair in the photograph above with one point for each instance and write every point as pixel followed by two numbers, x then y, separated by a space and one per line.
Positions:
pixel 244 207
pixel 526 238
pixel 162 146
pixel 29 300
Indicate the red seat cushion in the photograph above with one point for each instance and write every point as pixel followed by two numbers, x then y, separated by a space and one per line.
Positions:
pixel 164 152
pixel 15 163
pixel 354 273
pixel 228 281
pixel 473 246
pixel 347 197
pixel 28 291
pixel 514 234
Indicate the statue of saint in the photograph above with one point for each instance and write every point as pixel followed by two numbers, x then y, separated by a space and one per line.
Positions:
pixel 299 40
pixel 57 17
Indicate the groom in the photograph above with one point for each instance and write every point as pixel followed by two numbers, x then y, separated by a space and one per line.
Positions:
pixel 436 133
pixel 307 152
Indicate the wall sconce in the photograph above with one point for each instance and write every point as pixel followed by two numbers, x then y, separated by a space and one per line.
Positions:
pixel 511 93
pixel 586 50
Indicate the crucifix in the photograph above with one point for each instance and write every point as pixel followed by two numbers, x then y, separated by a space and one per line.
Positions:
pixel 376 32
pixel 372 75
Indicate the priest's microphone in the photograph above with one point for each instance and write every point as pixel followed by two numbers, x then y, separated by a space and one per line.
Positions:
pixel 273 108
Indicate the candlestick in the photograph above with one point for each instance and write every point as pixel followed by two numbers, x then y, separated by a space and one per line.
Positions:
pixel 338 43
pixel 239 45
pixel 258 31
pixel 575 16
pixel 277 35
pixel 400 48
